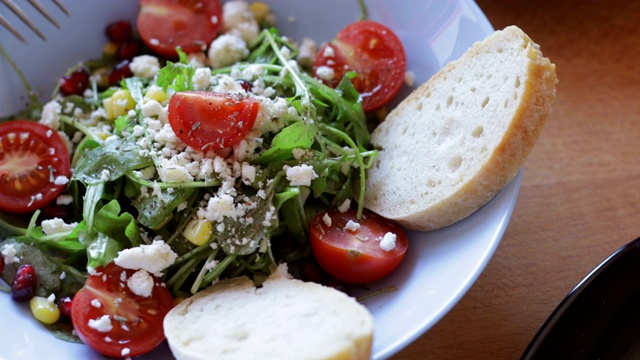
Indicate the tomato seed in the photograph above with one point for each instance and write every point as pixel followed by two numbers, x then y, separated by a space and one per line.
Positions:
pixel 23 286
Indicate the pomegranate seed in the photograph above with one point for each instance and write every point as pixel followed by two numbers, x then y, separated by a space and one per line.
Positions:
pixel 120 72
pixel 119 32
pixel 75 83
pixel 246 85
pixel 64 304
pixel 128 50
pixel 1 263
pixel 310 271
pixel 24 283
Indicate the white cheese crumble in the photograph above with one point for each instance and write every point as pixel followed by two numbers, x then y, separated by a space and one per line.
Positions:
pixel 153 258
pixel 388 241
pixel 9 254
pixel 56 225
pixel 352 226
pixel 141 283
pixel 409 78
pixel 307 52
pixel 96 303
pixel 227 50
pixel 346 205
pixel 64 199
pixel 328 52
pixel 52 298
pixel 145 66
pixel 102 324
pixel 125 352
pixel 300 175
pixel 238 19
pixel 325 73
pixel 61 180
pixel 327 219
pixel 51 114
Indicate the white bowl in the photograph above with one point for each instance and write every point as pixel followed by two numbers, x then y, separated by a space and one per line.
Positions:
pixel 440 266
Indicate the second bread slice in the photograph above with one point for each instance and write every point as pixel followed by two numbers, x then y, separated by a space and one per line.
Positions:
pixel 459 138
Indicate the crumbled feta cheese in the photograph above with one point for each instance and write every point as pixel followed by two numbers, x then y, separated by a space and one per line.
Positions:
pixel 96 303
pixel 153 258
pixel 9 254
pixel 226 50
pixel 102 324
pixel 202 79
pixel 141 283
pixel 152 108
pixel 352 226
pixel 63 275
pixel 345 206
pixel 328 52
pixel 325 73
pixel 61 180
pixel 409 78
pixel 300 175
pixel 327 219
pixel 51 114
pixel 105 175
pixel 238 19
pixel 51 298
pixel 388 241
pixel 307 52
pixel 64 199
pixel 56 225
pixel 125 352
pixel 248 173
pixel 145 66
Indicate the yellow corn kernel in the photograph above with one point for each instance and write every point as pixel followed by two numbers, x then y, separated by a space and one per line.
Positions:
pixel 118 104
pixel 260 10
pixel 110 50
pixel 45 311
pixel 156 93
pixel 198 231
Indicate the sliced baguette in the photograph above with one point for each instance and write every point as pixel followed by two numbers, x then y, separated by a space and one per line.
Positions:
pixel 284 319
pixel 462 136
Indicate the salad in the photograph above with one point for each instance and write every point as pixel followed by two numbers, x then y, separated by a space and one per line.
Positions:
pixel 165 167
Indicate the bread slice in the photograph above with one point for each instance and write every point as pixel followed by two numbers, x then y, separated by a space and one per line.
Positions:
pixel 284 319
pixel 462 136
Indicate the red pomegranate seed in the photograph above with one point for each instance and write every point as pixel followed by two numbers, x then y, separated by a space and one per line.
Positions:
pixel 64 304
pixel 310 271
pixel 24 283
pixel 128 50
pixel 75 83
pixel 119 32
pixel 1 263
pixel 121 71
pixel 246 85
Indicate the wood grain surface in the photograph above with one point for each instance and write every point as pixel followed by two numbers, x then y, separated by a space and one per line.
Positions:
pixel 580 194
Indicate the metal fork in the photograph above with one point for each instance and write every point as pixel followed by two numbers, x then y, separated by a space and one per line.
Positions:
pixel 20 14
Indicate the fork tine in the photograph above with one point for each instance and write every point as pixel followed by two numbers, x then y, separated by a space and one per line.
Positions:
pixel 11 29
pixel 62 7
pixel 44 12
pixel 16 10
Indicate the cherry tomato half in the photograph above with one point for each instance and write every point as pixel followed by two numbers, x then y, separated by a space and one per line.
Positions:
pixel 212 121
pixel 32 156
pixel 353 252
pixel 133 323
pixel 190 24
pixel 375 53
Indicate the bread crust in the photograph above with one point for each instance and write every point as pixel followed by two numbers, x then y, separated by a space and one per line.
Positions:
pixel 509 150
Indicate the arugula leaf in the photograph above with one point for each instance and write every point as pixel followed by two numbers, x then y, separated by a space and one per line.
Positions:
pixel 154 211
pixel 178 76
pixel 299 135
pixel 111 160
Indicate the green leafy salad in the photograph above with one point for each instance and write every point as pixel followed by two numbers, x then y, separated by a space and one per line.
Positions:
pixel 239 210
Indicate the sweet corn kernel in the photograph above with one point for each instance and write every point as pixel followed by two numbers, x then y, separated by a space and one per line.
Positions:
pixel 110 50
pixel 45 311
pixel 198 231
pixel 156 93
pixel 260 10
pixel 118 104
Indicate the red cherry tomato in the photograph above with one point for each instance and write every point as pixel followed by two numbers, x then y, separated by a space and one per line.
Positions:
pixel 190 24
pixel 133 325
pixel 212 121
pixel 375 53
pixel 352 255
pixel 32 156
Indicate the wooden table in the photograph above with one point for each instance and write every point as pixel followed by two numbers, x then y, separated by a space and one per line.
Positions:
pixel 580 195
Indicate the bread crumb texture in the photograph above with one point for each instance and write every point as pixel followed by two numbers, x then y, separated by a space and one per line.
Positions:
pixel 462 136
pixel 284 319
